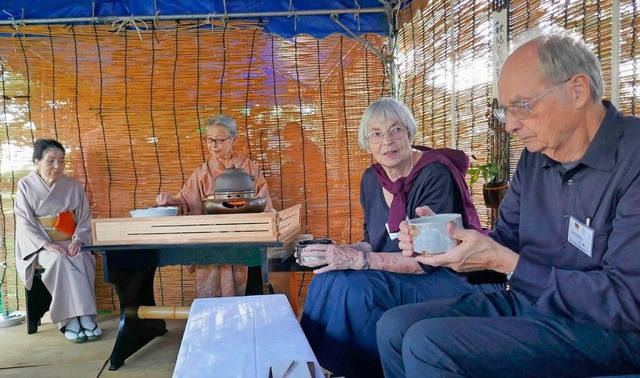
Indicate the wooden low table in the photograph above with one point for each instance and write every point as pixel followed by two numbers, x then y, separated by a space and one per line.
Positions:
pixel 244 337
pixel 131 270
pixel 132 249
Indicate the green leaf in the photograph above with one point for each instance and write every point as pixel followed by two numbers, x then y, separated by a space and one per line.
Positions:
pixel 474 174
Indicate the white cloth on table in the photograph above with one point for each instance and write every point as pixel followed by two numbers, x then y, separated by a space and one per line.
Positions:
pixel 243 337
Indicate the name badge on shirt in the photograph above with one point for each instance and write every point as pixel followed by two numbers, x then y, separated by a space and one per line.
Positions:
pixel 392 235
pixel 581 236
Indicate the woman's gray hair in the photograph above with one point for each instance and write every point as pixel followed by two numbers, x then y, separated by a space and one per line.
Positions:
pixel 227 122
pixel 386 109
pixel 562 54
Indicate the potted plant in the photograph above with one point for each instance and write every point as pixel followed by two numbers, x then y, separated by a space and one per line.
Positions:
pixel 494 187
pixel 496 171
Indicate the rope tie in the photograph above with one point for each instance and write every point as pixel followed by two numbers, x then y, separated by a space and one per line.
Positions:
pixel 93 12
pixel 292 14
pixel 209 18
pixel 356 15
pixel 15 25
pixel 125 22
pixel 155 16
pixel 225 17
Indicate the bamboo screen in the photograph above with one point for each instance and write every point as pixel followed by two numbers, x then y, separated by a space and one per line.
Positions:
pixel 630 57
pixel 445 58
pixel 438 54
pixel 594 21
pixel 129 105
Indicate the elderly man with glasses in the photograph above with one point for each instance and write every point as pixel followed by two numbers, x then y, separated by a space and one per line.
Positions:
pixel 567 238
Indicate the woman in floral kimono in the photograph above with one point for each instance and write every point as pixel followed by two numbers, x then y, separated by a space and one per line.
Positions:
pixel 221 135
pixel 53 219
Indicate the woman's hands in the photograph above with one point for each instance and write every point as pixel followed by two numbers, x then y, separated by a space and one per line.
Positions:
pixel 74 248
pixel 166 198
pixel 336 257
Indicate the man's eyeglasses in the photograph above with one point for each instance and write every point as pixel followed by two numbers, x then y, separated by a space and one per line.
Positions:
pixel 217 141
pixel 521 110
pixel 395 132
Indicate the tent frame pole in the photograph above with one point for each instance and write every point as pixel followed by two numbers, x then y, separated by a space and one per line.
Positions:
pixel 176 17
pixel 391 9
pixel 366 43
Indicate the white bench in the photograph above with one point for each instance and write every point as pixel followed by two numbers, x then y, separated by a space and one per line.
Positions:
pixel 243 337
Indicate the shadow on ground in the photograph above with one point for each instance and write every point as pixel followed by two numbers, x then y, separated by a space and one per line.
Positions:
pixel 48 354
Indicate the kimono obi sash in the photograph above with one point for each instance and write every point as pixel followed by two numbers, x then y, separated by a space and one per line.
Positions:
pixel 59 227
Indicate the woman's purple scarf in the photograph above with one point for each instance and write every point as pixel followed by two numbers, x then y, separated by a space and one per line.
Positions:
pixel 455 160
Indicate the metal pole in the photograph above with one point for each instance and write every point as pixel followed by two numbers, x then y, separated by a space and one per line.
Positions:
pixel 452 60
pixel 293 13
pixel 615 52
pixel 394 78
pixel 366 44
pixel 3 265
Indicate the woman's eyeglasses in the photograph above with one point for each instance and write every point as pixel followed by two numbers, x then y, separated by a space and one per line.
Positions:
pixel 395 132
pixel 521 110
pixel 216 141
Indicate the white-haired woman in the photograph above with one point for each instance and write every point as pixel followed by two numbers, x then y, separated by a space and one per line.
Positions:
pixel 359 282
pixel 220 137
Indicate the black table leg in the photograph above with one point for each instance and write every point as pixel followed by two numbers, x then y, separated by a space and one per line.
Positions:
pixel 265 270
pixel 254 281
pixel 134 288
pixel 258 276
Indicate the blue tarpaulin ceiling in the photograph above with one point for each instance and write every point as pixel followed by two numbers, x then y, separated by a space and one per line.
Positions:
pixel 282 17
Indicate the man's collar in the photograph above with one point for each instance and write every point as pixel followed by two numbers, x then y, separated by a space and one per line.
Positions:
pixel 601 153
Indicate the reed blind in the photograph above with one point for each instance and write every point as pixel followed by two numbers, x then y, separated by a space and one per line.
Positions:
pixel 629 66
pixel 445 61
pixel 434 34
pixel 593 20
pixel 130 106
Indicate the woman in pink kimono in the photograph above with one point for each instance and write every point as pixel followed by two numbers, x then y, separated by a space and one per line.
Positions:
pixel 53 219
pixel 221 135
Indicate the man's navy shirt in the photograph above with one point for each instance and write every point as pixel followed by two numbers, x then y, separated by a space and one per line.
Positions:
pixel 562 281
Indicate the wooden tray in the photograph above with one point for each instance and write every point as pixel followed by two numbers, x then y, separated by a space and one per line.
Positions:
pixel 257 227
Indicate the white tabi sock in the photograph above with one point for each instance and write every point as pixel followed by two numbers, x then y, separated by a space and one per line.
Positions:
pixel 89 327
pixel 72 331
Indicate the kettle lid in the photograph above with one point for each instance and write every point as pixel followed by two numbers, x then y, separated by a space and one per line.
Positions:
pixel 234 179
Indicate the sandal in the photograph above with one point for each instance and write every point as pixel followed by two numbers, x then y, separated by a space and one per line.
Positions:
pixel 93 333
pixel 75 337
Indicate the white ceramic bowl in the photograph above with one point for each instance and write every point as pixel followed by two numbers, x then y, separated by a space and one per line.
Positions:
pixel 165 211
